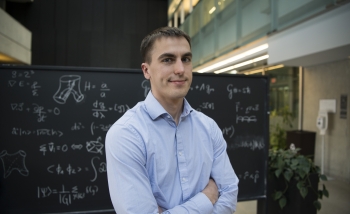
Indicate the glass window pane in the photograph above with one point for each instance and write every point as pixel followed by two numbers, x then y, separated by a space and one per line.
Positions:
pixel 227 27
pixel 208 11
pixel 290 12
pixel 255 19
pixel 195 20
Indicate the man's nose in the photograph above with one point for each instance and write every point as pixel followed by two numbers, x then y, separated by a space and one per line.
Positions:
pixel 179 67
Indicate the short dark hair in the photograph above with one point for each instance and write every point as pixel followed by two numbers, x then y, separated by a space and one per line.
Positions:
pixel 147 43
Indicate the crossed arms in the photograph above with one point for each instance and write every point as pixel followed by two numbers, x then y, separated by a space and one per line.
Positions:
pixel 132 191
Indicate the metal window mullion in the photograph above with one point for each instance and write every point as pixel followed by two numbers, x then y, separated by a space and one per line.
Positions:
pixel 238 21
pixel 274 15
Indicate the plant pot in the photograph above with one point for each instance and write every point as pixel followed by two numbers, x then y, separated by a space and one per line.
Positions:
pixel 296 204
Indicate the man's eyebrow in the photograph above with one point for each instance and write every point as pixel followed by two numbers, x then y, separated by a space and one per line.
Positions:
pixel 188 54
pixel 164 55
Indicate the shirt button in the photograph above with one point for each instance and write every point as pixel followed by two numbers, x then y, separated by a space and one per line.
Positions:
pixel 168 116
pixel 180 153
pixel 183 179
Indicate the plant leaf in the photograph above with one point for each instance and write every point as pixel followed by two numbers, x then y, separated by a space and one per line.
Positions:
pixel 323 177
pixel 300 184
pixel 302 173
pixel 317 204
pixel 295 162
pixel 277 195
pixel 318 170
pixel 280 162
pixel 288 175
pixel 282 202
pixel 303 191
pixel 325 191
pixel 320 194
pixel 278 172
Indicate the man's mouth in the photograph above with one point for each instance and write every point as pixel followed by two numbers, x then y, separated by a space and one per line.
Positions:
pixel 182 80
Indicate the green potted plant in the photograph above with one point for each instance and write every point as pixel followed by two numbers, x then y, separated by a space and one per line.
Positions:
pixel 293 178
pixel 292 171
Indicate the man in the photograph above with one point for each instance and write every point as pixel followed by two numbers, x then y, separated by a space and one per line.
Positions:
pixel 162 155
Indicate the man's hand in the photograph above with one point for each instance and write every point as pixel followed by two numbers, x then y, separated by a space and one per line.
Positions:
pixel 160 209
pixel 211 191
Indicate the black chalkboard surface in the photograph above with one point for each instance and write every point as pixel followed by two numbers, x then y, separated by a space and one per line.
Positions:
pixel 54 122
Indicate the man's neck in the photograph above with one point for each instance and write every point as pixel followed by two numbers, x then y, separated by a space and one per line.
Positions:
pixel 173 107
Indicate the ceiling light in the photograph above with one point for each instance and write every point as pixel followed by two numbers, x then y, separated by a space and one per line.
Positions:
pixel 263 69
pixel 274 67
pixel 243 63
pixel 234 58
pixel 212 10
pixel 254 71
pixel 224 70
pixel 233 72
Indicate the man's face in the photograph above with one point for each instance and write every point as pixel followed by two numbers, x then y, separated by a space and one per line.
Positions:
pixel 170 71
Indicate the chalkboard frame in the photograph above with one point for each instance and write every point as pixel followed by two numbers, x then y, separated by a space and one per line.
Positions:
pixel 138 71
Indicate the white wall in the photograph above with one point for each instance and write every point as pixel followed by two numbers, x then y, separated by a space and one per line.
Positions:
pixel 329 81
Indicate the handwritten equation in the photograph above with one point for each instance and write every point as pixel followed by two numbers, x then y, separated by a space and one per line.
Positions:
pixel 254 176
pixel 248 112
pixel 102 127
pixel 206 105
pixel 249 142
pixel 79 126
pixel 37 132
pixel 103 89
pixel 26 75
pixel 99 109
pixel 234 90
pixel 97 167
pixel 65 196
pixel 203 88
pixel 93 146
pixel 228 131
pixel 36 109
pixel 146 86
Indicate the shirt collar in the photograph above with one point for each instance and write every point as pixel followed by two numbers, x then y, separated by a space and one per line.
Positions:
pixel 155 109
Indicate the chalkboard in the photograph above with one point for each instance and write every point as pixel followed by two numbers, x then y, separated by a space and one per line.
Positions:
pixel 54 122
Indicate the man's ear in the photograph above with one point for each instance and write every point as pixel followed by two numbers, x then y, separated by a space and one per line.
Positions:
pixel 145 69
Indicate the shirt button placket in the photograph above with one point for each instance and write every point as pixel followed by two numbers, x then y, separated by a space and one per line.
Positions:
pixel 182 166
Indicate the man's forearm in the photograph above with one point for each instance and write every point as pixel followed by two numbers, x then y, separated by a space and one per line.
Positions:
pixel 227 201
pixel 211 191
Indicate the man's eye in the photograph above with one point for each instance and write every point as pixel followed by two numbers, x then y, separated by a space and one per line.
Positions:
pixel 167 60
pixel 186 59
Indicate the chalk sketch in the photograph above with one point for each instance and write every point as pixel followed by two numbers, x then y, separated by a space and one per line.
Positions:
pixel 95 146
pixel 15 161
pixel 69 84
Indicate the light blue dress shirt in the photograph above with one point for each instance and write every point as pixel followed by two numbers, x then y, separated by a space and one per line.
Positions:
pixel 153 162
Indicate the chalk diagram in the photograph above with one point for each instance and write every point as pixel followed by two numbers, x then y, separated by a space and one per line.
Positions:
pixel 69 84
pixel 15 161
pixel 95 146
